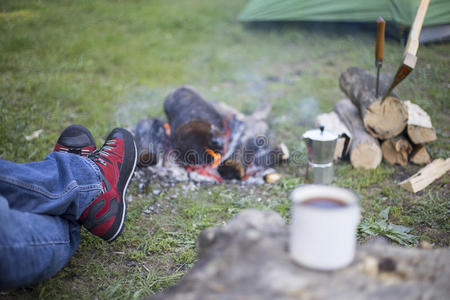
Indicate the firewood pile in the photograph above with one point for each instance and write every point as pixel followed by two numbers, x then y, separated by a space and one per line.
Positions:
pixel 392 129
pixel 395 130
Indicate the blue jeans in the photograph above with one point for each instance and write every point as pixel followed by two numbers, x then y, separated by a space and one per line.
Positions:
pixel 40 203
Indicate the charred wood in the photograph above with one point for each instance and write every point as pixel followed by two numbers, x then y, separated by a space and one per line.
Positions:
pixel 249 147
pixel 236 165
pixel 151 141
pixel 196 127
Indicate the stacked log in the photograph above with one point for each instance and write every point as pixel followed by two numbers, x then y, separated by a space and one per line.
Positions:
pixel 420 156
pixel 400 127
pixel 396 150
pixel 365 151
pixel 419 127
pixel 359 85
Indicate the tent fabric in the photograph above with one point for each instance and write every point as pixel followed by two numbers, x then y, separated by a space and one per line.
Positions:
pixel 400 11
pixel 404 11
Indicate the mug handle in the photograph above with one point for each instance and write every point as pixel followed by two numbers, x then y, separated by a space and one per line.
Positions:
pixel 344 155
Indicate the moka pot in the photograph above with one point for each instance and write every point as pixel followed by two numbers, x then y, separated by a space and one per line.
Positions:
pixel 321 144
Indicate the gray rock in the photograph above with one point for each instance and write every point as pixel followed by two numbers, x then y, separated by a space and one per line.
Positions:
pixel 248 259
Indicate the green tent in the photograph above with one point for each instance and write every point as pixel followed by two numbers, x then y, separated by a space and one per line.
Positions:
pixel 399 12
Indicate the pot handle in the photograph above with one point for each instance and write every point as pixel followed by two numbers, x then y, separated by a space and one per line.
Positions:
pixel 344 155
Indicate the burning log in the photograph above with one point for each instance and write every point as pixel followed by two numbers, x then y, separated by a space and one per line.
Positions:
pixel 235 167
pixel 332 122
pixel 254 152
pixel 249 149
pixel 151 141
pixel 419 155
pixel 382 120
pixel 244 145
pixel 271 156
pixel 396 150
pixel 197 129
pixel 420 130
pixel 365 151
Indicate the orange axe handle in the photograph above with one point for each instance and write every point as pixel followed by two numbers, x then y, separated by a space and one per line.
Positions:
pixel 379 46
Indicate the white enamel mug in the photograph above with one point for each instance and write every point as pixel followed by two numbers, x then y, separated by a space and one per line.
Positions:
pixel 323 226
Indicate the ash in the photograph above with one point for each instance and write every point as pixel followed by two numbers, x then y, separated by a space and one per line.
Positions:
pixel 171 173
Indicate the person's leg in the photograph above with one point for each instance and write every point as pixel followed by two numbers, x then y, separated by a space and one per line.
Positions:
pixel 33 247
pixel 61 185
pixel 40 204
pixel 68 190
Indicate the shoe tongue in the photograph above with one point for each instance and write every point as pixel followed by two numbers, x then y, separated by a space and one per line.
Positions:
pixel 75 141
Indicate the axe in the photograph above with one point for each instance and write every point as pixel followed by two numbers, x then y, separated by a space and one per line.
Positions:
pixel 409 56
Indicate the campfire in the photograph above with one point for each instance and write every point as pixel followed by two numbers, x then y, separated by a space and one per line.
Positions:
pixel 207 142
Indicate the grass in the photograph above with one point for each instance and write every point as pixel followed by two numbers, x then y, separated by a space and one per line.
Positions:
pixel 109 63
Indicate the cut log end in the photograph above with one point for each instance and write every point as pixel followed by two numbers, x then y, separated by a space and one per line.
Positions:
pixel 395 155
pixel 366 155
pixel 420 155
pixel 421 135
pixel 386 120
pixel 420 130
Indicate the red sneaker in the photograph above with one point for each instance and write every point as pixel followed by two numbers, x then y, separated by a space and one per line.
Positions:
pixel 105 216
pixel 76 139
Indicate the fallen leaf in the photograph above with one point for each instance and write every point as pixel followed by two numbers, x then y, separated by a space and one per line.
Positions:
pixel 34 135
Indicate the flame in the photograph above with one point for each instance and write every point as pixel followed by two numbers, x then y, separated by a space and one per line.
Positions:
pixel 217 157
pixel 167 128
pixel 204 172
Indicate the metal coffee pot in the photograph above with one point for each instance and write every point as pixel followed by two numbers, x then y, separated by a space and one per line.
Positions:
pixel 321 144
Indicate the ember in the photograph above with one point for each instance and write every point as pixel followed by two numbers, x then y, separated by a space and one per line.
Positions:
pixel 205 141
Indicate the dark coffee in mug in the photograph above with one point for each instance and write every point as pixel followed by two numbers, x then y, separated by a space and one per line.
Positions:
pixel 326 203
pixel 323 226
